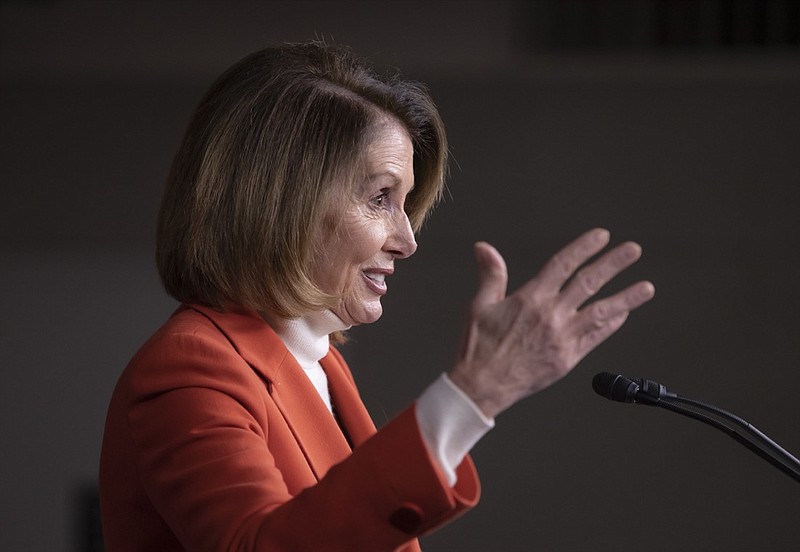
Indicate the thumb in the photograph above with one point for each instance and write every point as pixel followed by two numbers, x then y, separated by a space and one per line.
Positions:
pixel 492 274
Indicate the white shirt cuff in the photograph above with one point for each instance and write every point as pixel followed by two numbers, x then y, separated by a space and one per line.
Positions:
pixel 450 424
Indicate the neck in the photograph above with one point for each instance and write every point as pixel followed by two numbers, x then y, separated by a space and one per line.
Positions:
pixel 307 337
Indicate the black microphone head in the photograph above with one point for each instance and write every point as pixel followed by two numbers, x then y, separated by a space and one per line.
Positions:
pixel 615 387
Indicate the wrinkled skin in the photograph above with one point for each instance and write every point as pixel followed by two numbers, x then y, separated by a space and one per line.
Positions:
pixel 357 259
pixel 516 345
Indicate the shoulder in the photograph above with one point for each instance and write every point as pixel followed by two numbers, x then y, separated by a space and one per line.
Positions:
pixel 187 333
pixel 189 350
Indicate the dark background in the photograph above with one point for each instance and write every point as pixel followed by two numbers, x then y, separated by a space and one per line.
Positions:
pixel 676 124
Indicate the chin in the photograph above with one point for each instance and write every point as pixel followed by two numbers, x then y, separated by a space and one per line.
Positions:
pixel 371 319
pixel 361 314
pixel 367 318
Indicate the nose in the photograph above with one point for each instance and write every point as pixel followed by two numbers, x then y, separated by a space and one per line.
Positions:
pixel 401 243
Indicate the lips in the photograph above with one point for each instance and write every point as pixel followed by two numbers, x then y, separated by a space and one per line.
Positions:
pixel 376 280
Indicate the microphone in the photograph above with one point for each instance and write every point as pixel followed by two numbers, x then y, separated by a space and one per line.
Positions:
pixel 615 387
pixel 619 388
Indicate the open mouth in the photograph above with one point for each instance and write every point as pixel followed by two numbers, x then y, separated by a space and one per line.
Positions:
pixel 376 281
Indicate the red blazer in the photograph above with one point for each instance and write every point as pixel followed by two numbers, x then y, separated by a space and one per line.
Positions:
pixel 216 440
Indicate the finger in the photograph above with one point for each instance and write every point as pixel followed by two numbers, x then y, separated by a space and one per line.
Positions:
pixel 590 279
pixel 607 316
pixel 600 313
pixel 492 274
pixel 564 263
pixel 591 339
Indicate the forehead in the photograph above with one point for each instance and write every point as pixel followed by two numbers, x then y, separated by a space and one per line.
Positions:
pixel 389 146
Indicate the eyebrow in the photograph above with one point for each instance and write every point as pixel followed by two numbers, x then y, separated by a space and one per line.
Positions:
pixel 376 175
pixel 396 181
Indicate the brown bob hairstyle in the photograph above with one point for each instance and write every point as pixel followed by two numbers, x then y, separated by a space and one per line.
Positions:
pixel 272 150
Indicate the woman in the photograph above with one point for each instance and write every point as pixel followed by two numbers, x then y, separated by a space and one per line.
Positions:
pixel 301 180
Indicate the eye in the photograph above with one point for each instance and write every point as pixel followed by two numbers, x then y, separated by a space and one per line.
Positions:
pixel 381 199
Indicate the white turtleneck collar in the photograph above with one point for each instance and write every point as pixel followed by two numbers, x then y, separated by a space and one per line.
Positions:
pixel 307 339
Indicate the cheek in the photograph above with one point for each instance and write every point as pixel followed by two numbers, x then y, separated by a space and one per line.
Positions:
pixel 365 242
pixel 357 242
pixel 360 237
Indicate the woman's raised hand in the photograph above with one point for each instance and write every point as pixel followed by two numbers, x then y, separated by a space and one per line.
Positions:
pixel 519 344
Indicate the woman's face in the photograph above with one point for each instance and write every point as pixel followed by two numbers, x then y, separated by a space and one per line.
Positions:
pixel 375 230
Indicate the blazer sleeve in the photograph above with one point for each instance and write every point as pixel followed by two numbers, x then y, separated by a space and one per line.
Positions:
pixel 196 415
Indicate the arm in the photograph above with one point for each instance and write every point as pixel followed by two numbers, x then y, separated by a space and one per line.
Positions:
pixel 521 344
pixel 219 467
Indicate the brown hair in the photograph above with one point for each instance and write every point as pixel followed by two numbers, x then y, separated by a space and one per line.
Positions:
pixel 270 150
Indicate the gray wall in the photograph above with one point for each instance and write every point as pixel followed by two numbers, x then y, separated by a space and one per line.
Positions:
pixel 693 155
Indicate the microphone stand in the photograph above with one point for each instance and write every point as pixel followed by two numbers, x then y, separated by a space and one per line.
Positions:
pixel 766 448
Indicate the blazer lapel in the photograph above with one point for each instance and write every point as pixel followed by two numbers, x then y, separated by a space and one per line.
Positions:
pixel 315 429
pixel 352 413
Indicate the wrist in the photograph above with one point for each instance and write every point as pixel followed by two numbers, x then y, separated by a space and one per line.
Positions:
pixel 486 402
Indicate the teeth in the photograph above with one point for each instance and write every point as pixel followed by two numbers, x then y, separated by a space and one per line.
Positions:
pixel 377 277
